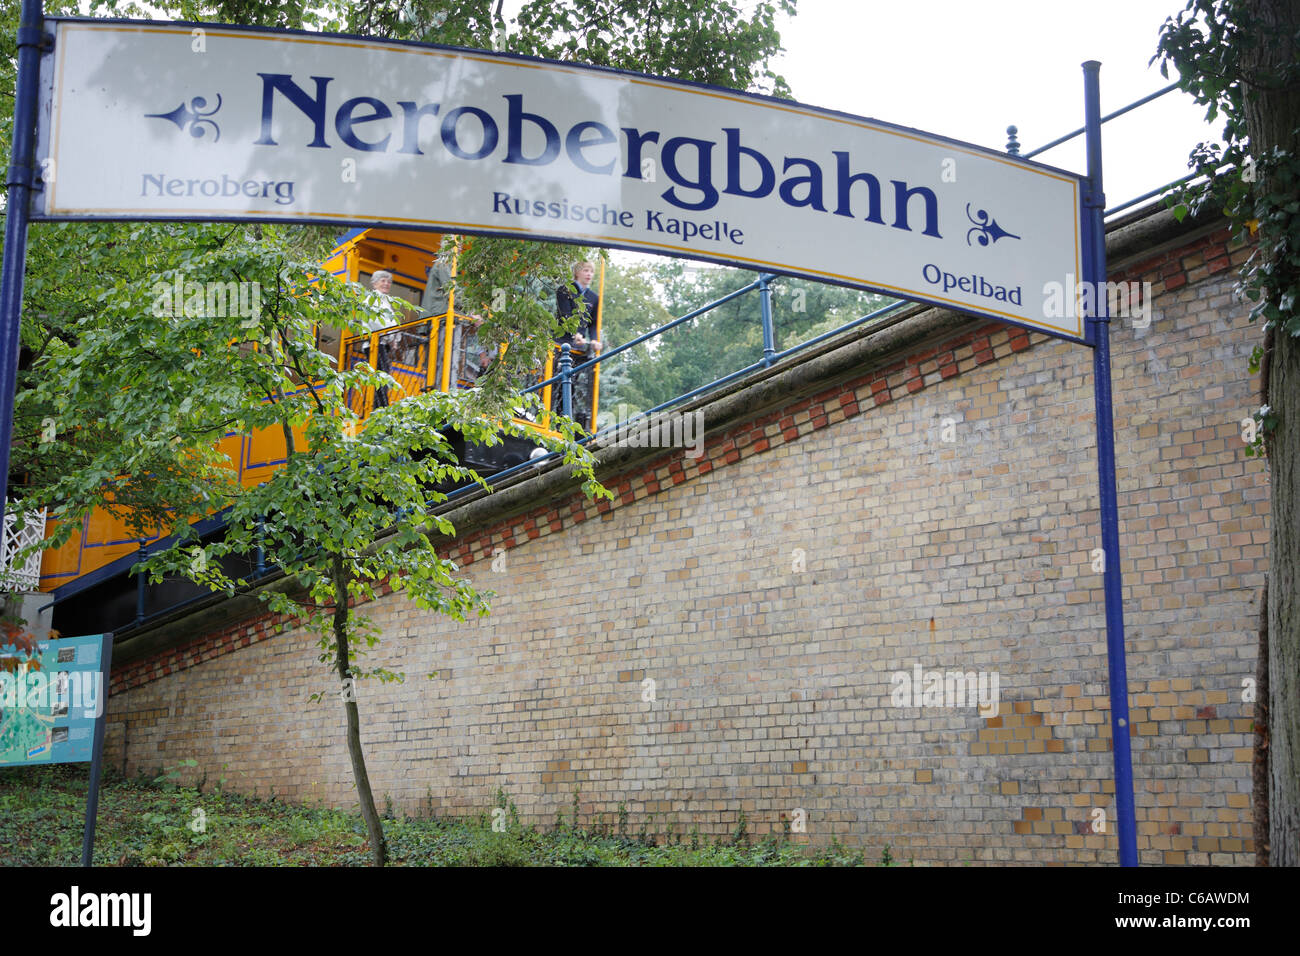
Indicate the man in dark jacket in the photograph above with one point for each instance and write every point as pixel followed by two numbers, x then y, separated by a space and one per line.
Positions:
pixel 578 297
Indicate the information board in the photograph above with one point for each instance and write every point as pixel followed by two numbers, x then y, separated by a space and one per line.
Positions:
pixel 52 694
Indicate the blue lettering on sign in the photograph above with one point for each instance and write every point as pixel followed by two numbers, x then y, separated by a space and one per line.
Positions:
pixel 451 138
pixel 603 214
pixel 973 284
pixel 160 184
pixel 475 133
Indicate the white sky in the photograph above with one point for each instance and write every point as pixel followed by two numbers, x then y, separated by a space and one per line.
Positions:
pixel 970 69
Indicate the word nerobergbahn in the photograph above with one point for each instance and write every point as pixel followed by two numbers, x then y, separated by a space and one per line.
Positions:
pixel 368 124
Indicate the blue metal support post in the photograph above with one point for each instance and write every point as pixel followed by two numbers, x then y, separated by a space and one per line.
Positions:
pixel 140 590
pixel 769 333
pixel 19 178
pixel 97 755
pixel 1095 276
pixel 566 380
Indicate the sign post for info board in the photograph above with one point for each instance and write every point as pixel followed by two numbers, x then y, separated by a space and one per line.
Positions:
pixel 245 124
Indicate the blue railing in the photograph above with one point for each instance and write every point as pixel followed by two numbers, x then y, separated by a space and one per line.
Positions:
pixel 1014 149
pixel 763 285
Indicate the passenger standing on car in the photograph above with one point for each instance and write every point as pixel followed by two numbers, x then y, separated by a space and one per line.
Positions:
pixel 579 297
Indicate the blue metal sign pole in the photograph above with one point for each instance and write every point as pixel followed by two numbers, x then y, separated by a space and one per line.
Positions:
pixel 97 754
pixel 19 180
pixel 1095 276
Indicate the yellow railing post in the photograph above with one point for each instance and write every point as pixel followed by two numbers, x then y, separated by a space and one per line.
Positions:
pixel 445 371
pixel 600 318
pixel 547 371
pixel 374 364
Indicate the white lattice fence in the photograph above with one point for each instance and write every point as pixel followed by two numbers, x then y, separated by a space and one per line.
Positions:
pixel 25 576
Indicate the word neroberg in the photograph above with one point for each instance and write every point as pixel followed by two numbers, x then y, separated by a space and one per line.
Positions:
pixel 161 184
pixel 951 689
pixel 207 299
pixel 368 124
pixel 668 430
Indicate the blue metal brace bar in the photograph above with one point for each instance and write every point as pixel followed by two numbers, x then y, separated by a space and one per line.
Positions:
pixel 765 306
pixel 1095 274
pixel 19 180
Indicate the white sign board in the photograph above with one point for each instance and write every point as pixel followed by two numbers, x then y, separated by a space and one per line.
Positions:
pixel 156 121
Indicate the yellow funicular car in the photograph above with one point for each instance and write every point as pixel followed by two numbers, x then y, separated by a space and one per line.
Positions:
pixel 435 348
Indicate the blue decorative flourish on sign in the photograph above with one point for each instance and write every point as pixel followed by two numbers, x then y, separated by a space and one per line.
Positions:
pixel 988 229
pixel 192 116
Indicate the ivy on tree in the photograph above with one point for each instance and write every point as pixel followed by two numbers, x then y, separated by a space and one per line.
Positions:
pixel 1240 59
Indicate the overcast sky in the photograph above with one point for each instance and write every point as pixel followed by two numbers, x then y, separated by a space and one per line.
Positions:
pixel 969 69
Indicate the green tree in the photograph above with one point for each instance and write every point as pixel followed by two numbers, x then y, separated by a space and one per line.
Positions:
pixel 140 403
pixel 1241 60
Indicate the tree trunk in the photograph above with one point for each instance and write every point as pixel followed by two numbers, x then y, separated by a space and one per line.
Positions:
pixel 1284 606
pixel 1272 111
pixel 374 826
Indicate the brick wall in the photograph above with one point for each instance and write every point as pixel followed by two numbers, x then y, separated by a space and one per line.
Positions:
pixel 936 508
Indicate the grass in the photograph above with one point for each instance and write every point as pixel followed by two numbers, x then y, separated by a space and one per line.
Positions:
pixel 153 822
